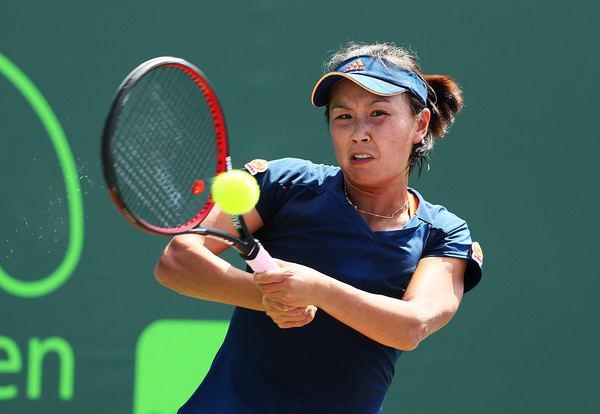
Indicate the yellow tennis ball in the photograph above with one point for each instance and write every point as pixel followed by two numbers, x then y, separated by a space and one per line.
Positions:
pixel 235 191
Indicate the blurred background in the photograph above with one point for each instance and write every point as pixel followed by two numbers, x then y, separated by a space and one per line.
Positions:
pixel 84 327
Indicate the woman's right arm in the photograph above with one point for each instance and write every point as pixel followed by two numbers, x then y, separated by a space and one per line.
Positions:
pixel 190 265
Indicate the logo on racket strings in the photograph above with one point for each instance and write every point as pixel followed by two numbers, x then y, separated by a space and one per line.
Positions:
pixel 198 187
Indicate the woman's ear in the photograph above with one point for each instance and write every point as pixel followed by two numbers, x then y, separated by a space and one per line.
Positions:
pixel 422 126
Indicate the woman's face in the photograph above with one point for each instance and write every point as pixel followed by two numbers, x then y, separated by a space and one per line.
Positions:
pixel 373 135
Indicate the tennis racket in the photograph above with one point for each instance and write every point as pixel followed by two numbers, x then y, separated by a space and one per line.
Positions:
pixel 164 140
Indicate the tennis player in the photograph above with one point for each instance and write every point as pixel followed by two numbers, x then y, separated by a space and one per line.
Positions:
pixel 368 267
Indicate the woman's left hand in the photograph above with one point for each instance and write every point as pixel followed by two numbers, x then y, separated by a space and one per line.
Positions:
pixel 289 293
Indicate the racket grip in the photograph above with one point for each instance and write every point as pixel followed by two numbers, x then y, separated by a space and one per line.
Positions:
pixel 262 261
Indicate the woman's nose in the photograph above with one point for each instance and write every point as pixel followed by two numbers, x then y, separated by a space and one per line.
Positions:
pixel 361 133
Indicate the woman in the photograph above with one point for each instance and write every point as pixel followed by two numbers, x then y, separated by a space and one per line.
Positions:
pixel 384 267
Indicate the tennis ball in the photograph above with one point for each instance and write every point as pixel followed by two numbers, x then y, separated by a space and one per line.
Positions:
pixel 235 191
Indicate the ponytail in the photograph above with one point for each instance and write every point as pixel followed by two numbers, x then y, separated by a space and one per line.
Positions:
pixel 444 101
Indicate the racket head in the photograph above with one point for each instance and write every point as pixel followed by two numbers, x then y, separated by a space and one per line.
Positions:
pixel 164 140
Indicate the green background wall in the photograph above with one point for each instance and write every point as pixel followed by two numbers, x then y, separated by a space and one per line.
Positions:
pixel 520 165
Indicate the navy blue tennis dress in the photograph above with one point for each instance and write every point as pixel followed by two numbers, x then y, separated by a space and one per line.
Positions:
pixel 324 367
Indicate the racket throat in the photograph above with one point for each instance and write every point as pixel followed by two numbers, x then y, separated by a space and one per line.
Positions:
pixel 253 251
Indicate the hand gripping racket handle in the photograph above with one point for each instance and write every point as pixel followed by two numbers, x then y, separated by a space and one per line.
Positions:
pixel 261 260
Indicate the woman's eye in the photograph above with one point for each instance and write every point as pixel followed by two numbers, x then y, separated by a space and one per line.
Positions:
pixel 343 116
pixel 378 113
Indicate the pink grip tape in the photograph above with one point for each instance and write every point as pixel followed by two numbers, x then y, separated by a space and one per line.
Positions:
pixel 262 262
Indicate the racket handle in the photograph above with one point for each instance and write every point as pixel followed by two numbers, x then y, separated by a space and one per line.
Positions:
pixel 262 261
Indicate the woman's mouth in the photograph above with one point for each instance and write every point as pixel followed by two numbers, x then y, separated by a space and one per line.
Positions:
pixel 360 158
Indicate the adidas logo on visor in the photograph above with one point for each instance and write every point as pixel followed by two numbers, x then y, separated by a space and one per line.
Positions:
pixel 358 65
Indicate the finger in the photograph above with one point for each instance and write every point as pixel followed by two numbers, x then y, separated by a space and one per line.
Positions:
pixel 275 306
pixel 297 323
pixel 283 313
pixel 268 277
pixel 273 275
pixel 269 287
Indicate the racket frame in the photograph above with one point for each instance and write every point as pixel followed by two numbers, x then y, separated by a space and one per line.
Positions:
pixel 248 247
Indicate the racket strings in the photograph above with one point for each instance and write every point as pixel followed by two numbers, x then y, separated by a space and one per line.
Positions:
pixel 165 141
pixel 139 188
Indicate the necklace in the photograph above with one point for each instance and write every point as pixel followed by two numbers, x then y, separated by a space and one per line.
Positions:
pixel 373 214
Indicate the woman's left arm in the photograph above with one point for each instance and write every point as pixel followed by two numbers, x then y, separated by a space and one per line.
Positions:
pixel 430 301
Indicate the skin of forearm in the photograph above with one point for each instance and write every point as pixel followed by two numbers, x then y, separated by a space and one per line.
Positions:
pixel 192 270
pixel 389 321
